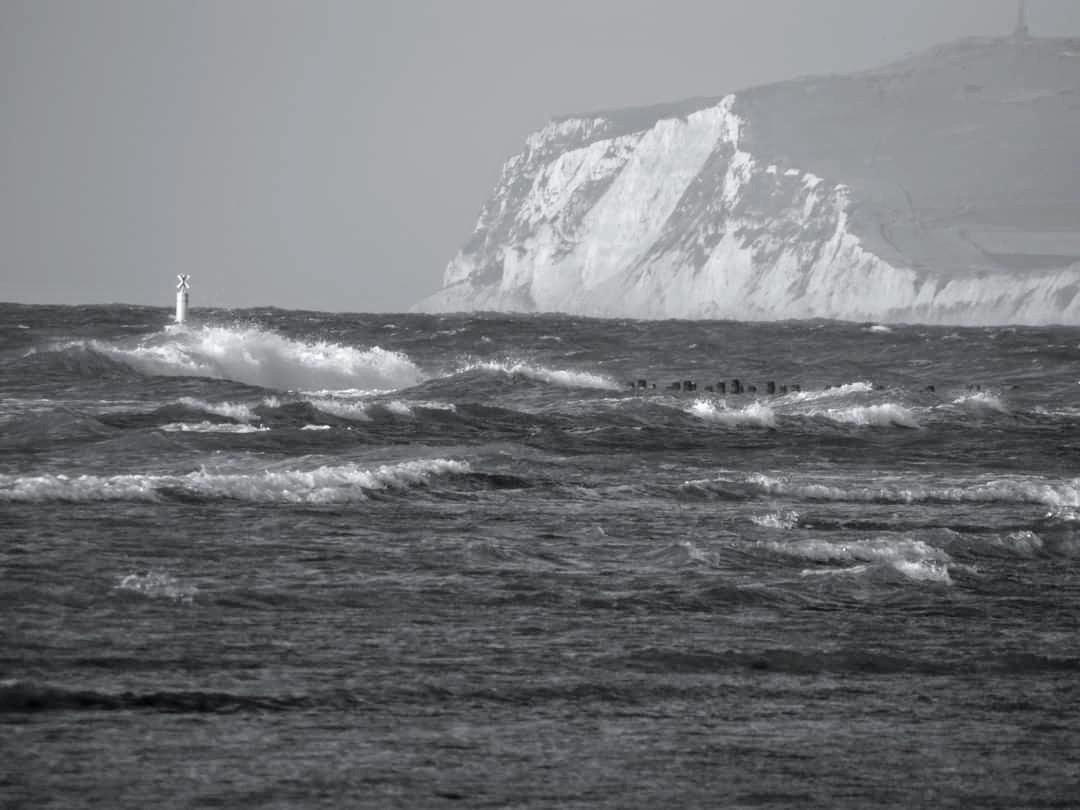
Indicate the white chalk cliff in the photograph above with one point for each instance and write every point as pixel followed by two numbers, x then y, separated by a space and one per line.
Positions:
pixel 941 189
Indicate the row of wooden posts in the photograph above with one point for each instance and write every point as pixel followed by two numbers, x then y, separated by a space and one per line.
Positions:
pixel 736 386
pixel 725 387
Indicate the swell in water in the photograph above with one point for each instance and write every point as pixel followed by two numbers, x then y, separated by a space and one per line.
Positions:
pixel 353 532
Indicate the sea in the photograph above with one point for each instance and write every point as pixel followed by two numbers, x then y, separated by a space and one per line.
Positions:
pixel 289 559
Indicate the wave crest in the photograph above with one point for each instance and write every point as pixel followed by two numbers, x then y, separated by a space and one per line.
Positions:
pixel 337 484
pixel 564 377
pixel 981 402
pixel 914 559
pixel 887 414
pixel 1059 495
pixel 267 359
pixel 756 413
pixel 157 585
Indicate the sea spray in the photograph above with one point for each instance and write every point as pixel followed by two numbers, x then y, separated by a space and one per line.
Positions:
pixel 563 377
pixel 259 357
pixel 324 484
pixel 756 414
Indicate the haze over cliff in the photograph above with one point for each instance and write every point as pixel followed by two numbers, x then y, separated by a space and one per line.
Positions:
pixel 943 188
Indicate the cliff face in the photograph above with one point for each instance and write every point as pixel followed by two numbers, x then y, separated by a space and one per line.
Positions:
pixel 945 188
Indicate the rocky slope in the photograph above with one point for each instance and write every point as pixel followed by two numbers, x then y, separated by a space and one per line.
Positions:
pixel 943 188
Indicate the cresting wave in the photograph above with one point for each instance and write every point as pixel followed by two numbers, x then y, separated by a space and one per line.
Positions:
pixel 239 411
pixel 569 379
pixel 887 414
pixel 326 484
pixel 981 402
pixel 859 387
pixel 756 413
pixel 914 559
pixel 156 585
pixel 760 414
pixel 776 520
pixel 259 357
pixel 1059 495
pixel 211 427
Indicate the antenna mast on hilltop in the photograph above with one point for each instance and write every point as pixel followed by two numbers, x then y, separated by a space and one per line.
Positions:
pixel 1021 31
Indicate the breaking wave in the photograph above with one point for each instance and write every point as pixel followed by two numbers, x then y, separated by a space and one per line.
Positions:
pixel 156 585
pixel 981 402
pixel 563 377
pixel 755 413
pixel 888 414
pixel 1062 495
pixel 914 559
pixel 343 408
pixel 859 387
pixel 776 520
pixel 211 427
pixel 258 357
pixel 231 410
pixel 327 484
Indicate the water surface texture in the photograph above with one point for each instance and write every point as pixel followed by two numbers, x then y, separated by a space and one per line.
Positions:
pixel 293 559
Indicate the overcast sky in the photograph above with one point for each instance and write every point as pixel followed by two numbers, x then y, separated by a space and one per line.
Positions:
pixel 335 155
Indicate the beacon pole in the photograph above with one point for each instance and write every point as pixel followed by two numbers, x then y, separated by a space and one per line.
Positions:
pixel 182 287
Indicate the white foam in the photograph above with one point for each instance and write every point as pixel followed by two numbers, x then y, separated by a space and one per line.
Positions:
pixel 861 387
pixel 776 520
pixel 563 377
pixel 981 401
pixel 888 414
pixel 315 427
pixel 399 408
pixel 1060 413
pixel 914 559
pixel 756 413
pixel 268 359
pixel 356 411
pixel 157 585
pixel 1060 496
pixel 211 427
pixel 360 410
pixel 336 484
pixel 232 410
pixel 434 405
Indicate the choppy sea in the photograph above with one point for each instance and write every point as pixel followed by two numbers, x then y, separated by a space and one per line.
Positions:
pixel 295 559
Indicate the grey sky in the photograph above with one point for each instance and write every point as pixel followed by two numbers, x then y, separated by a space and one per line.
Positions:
pixel 334 155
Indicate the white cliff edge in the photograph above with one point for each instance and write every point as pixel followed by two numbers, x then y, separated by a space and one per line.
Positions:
pixel 680 218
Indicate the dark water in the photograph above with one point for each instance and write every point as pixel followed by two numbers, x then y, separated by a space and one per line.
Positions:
pixel 290 559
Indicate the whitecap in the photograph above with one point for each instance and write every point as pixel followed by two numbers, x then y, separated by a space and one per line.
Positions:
pixel 912 558
pixel 563 377
pixel 259 357
pixel 858 387
pixel 888 414
pixel 326 484
pixel 399 408
pixel 156 585
pixel 211 427
pixel 1061 496
pixel 232 410
pixel 756 413
pixel 356 411
pixel 776 520
pixel 981 402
